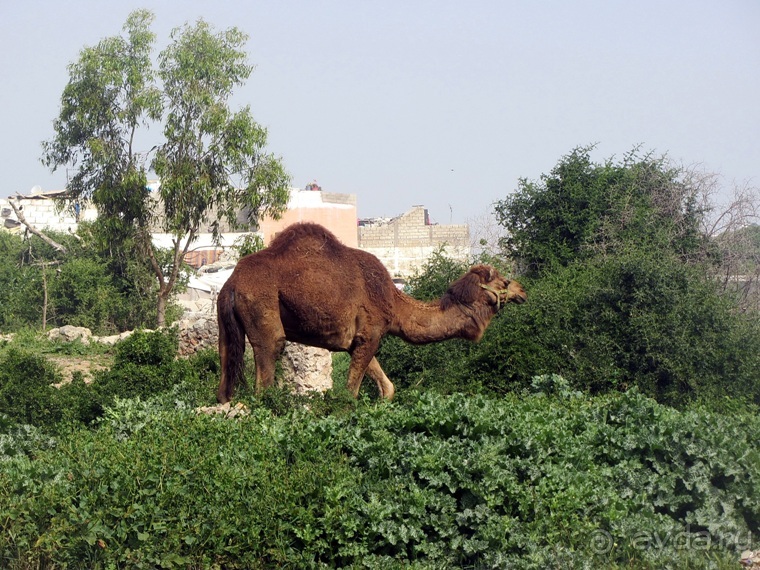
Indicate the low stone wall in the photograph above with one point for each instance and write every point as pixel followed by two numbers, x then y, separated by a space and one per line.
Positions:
pixel 305 368
pixel 197 331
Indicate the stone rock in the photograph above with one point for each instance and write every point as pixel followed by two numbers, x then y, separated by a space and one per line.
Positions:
pixel 306 368
pixel 113 339
pixel 750 559
pixel 227 410
pixel 69 333
pixel 197 331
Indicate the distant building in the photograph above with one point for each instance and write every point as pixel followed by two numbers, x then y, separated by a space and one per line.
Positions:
pixel 403 244
pixel 406 242
pixel 41 211
pixel 337 212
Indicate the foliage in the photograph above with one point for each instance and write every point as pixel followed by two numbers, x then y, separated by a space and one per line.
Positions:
pixel 620 290
pixel 84 294
pixel 211 163
pixel 26 392
pixel 21 439
pixel 638 318
pixel 633 320
pixel 130 271
pixel 21 292
pixel 212 157
pixel 144 366
pixel 248 243
pixel 583 209
pixel 558 481
pixel 438 272
pixel 147 348
pixel 87 286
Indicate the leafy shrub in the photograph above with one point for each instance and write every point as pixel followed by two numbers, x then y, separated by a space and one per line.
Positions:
pixel 147 348
pixel 144 366
pixel 633 320
pixel 83 295
pixel 94 284
pixel 583 209
pixel 440 482
pixel 131 380
pixel 26 392
pixel 198 377
pixel 21 440
pixel 247 244
pixel 21 294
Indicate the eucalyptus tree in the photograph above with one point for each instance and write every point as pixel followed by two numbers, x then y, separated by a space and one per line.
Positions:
pixel 211 160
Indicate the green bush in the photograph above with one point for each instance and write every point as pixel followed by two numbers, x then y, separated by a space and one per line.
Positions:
pixel 632 320
pixel 93 284
pixel 147 348
pixel 144 366
pixel 21 440
pixel 543 481
pixel 83 295
pixel 26 392
pixel 21 293
pixel 583 209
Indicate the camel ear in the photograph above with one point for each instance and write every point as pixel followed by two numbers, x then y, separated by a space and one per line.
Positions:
pixel 486 273
pixel 466 289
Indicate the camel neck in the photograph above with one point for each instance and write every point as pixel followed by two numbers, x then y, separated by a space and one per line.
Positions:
pixel 421 322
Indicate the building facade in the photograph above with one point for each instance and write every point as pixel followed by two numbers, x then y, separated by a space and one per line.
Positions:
pixel 406 242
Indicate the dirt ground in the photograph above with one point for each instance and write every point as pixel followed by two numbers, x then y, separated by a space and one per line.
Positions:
pixel 68 365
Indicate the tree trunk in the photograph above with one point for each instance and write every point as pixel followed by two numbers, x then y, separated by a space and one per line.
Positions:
pixel 163 297
pixel 44 297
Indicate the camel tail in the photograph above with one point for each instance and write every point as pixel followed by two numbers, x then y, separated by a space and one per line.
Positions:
pixel 231 344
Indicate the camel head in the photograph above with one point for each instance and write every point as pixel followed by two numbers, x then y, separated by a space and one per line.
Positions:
pixel 483 282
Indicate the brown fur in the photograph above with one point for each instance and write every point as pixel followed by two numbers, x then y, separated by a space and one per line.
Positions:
pixel 307 287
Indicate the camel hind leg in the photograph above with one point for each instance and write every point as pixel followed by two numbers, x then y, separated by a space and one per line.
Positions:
pixel 384 385
pixel 363 361
pixel 267 339
pixel 231 357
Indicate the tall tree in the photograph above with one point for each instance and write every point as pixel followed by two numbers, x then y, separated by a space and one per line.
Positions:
pixel 582 209
pixel 211 163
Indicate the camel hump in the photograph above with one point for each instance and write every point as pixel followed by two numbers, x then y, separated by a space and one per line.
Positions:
pixel 305 235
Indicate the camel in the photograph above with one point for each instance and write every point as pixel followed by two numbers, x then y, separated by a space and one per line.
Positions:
pixel 307 287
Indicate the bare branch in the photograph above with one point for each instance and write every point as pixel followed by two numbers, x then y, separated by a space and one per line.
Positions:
pixel 17 210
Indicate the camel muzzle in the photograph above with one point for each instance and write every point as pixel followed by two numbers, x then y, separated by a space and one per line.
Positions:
pixel 498 293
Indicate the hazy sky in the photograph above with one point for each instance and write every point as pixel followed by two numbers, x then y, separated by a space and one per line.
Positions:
pixel 441 103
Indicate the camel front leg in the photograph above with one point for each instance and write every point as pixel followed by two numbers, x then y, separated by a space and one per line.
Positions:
pixel 362 354
pixel 384 385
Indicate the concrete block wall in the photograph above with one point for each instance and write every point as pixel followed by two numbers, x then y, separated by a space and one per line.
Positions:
pixel 405 243
pixel 42 213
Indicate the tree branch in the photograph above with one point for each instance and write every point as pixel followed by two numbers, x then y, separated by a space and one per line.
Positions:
pixel 55 245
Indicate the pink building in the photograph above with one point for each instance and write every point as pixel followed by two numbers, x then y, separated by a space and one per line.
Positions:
pixel 337 212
